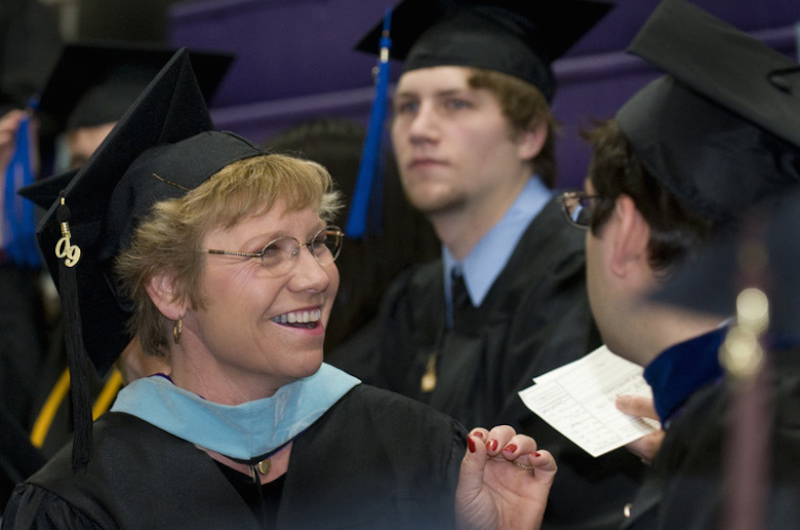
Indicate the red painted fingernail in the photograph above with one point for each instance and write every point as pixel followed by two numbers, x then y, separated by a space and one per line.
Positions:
pixel 470 444
pixel 478 434
pixel 510 448
pixel 536 454
pixel 491 445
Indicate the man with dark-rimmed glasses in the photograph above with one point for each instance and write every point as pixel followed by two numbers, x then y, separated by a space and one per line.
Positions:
pixel 676 169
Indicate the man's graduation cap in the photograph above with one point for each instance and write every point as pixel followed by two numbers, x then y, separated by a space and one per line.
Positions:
pixel 722 128
pixel 160 149
pixel 95 83
pixel 520 39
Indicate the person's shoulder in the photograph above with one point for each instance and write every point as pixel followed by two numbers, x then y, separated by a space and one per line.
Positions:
pixel 113 435
pixel 33 506
pixel 59 497
pixel 417 277
pixel 419 288
pixel 550 254
pixel 391 409
pixel 551 228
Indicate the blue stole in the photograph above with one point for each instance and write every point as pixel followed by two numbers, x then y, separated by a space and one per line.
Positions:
pixel 241 432
pixel 679 371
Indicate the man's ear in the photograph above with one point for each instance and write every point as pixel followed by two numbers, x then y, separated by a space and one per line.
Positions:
pixel 631 238
pixel 532 140
pixel 161 289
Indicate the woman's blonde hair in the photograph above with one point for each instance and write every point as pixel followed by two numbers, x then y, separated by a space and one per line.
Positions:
pixel 168 240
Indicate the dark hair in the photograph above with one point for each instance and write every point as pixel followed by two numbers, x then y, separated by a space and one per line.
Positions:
pixel 525 106
pixel 366 265
pixel 675 230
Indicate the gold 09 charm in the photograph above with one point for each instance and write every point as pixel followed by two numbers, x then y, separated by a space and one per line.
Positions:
pixel 70 253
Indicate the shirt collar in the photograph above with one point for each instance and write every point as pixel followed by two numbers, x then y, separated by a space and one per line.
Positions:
pixel 679 371
pixel 489 256
pixel 241 432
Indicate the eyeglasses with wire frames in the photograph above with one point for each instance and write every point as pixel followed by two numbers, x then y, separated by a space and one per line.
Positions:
pixel 280 254
pixel 577 208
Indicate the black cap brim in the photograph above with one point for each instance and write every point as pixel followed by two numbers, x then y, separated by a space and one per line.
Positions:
pixel 520 39
pixel 44 192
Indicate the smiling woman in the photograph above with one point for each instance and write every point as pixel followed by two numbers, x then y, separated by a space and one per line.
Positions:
pixel 220 258
pixel 231 301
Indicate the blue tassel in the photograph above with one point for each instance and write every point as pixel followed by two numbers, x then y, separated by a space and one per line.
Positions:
pixel 371 157
pixel 19 218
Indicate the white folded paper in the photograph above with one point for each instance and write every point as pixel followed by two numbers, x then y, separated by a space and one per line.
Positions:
pixel 578 399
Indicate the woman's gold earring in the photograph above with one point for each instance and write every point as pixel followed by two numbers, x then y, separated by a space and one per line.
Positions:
pixel 177 329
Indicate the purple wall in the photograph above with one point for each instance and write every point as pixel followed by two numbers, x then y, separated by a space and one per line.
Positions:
pixel 295 61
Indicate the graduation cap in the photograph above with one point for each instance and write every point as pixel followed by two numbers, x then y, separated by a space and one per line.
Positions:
pixel 29 47
pixel 95 83
pixel 44 192
pixel 161 148
pixel 722 128
pixel 520 39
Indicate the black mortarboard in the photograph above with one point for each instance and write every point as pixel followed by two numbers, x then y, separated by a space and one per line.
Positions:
pixel 95 83
pixel 763 252
pixel 29 46
pixel 520 39
pixel 161 148
pixel 722 129
pixel 44 192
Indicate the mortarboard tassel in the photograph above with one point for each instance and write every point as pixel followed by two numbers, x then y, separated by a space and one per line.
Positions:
pixel 20 223
pixel 371 157
pixel 69 255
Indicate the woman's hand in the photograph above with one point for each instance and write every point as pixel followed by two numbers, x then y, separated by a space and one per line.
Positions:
pixel 504 481
pixel 647 446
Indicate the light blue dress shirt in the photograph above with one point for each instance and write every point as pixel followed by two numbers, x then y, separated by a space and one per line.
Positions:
pixel 486 260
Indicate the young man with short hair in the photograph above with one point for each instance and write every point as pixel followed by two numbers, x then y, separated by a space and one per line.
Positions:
pixel 473 136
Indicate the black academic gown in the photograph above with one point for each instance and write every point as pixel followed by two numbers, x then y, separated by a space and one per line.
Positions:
pixel 535 318
pixel 374 460
pixel 684 487
pixel 18 458
pixel 22 338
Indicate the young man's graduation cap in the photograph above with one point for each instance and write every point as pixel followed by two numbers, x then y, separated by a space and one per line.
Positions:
pixel 722 129
pixel 162 148
pixel 520 39
pixel 95 83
